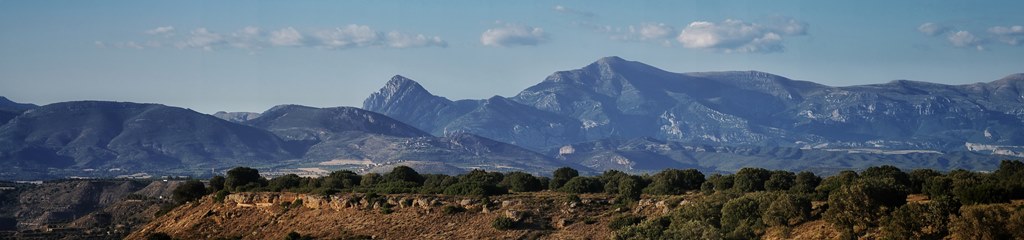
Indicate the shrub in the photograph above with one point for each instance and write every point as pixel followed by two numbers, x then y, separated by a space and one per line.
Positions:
pixel 450 209
pixel 370 179
pixel 521 182
pixel 780 181
pixel 285 182
pixel 243 179
pixel 857 207
pixel 473 189
pixel 751 179
pixel 342 179
pixel 582 185
pixel 675 181
pixel 189 191
pixel 219 197
pixel 561 176
pixel 622 221
pixel 404 174
pixel 805 182
pixel 503 223
pixel 630 188
pixel 985 222
pixel 216 183
pixel 692 229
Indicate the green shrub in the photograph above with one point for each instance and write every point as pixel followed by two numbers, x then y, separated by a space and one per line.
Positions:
pixel 503 223
pixel 582 185
pixel 189 191
pixel 622 221
pixel 450 209
pixel 561 176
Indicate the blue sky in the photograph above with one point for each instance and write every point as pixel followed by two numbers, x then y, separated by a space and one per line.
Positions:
pixel 249 56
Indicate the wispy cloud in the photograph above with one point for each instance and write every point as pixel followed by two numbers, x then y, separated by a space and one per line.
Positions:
pixel 932 29
pixel 975 38
pixel 166 30
pixel 251 38
pixel 572 11
pixel 509 35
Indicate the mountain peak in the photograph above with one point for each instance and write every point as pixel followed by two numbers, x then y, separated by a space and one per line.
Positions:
pixel 611 59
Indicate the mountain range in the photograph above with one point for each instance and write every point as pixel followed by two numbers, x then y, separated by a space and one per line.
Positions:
pixel 610 114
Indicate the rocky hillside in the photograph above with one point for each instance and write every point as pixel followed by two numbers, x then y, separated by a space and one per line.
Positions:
pixel 97 208
pixel 273 215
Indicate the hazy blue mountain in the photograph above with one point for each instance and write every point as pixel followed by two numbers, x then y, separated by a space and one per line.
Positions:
pixel 345 137
pixel 649 155
pixel 10 109
pixel 616 98
pixel 130 136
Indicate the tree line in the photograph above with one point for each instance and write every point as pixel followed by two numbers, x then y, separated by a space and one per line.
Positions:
pixel 743 205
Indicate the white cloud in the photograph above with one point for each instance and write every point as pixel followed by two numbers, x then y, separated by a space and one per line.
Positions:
pixel 201 38
pixel 737 36
pixel 252 38
pixel 932 29
pixel 513 35
pixel 965 39
pixel 572 11
pixel 166 30
pixel 1012 35
pixel 349 36
pixel 656 32
pixel 286 37
pixel 401 40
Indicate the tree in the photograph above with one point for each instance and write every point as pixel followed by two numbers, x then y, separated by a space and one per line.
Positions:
pixel 630 188
pixel 721 182
pixel 832 183
pixel 805 182
pixel 436 183
pixel 918 178
pixel 786 210
pixel 582 185
pixel 741 217
pixel 675 181
pixel 285 182
pixel 982 222
pixel 920 220
pixel 404 174
pixel 751 179
pixel 890 175
pixel 188 191
pixel 216 183
pixel 243 179
pixel 561 176
pixel 780 181
pixel 1011 176
pixel 482 177
pixel 938 186
pixel 370 179
pixel 611 179
pixel 856 207
pixel 521 182
pixel 343 179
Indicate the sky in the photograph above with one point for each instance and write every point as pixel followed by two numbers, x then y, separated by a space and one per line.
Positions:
pixel 251 55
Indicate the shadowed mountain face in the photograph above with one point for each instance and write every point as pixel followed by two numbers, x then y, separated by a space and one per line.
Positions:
pixel 354 138
pixel 79 135
pixel 616 98
pixel 10 109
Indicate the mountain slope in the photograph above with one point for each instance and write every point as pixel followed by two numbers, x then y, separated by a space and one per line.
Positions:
pixel 616 98
pixel 106 135
pixel 10 109
pixel 352 138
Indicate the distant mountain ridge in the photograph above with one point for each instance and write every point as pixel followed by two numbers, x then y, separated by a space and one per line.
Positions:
pixel 616 98
pixel 108 135
pixel 105 139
